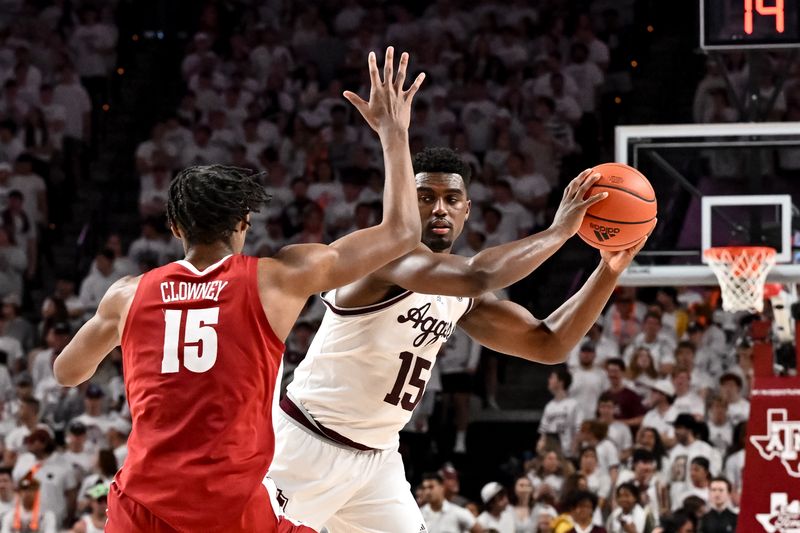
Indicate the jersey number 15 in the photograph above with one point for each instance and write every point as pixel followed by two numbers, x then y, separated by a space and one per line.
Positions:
pixel 197 333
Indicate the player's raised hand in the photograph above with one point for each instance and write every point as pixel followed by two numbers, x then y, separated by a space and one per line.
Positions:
pixel 389 106
pixel 618 261
pixel 574 203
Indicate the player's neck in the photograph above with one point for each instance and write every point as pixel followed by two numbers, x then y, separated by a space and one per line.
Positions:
pixel 202 256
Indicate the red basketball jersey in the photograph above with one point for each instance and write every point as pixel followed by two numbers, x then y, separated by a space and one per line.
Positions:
pixel 201 363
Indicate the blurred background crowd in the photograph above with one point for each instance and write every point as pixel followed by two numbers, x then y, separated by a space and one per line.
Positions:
pixel 102 102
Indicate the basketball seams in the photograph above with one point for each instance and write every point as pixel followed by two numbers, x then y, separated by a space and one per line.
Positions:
pixel 619 221
pixel 628 191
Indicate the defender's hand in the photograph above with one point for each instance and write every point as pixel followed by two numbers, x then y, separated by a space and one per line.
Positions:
pixel 619 261
pixel 389 106
pixel 572 208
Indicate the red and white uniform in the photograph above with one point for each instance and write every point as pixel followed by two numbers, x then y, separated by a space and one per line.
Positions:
pixel 201 363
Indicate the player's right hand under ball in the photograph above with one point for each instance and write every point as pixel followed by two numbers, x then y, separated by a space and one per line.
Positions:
pixel 573 206
pixel 389 108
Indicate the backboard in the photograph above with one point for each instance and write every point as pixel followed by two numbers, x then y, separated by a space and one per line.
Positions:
pixel 717 185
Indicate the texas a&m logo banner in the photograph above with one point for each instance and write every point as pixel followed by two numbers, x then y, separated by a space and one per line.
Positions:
pixel 771 480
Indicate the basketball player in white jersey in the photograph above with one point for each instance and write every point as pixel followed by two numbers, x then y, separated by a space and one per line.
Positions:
pixel 336 460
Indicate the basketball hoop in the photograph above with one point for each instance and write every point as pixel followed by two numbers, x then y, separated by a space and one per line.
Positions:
pixel 742 272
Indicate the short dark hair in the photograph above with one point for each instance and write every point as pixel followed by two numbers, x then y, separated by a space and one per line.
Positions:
pixel 207 202
pixel 617 362
pixel 433 476
pixel 7 471
pixel 563 376
pixel 641 455
pixel 630 487
pixel 702 462
pixel 606 397
pixel 717 479
pixel 572 500
pixel 444 160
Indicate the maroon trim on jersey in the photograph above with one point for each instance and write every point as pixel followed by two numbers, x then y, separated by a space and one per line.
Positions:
pixel 296 414
pixel 367 308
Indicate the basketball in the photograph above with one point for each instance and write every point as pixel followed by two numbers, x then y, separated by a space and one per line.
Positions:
pixel 626 215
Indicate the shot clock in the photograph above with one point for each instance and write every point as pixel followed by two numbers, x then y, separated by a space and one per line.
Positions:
pixel 731 24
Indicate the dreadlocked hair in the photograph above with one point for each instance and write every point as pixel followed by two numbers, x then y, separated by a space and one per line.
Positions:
pixel 442 160
pixel 207 202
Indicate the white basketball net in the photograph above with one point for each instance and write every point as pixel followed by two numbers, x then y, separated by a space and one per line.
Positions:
pixel 742 272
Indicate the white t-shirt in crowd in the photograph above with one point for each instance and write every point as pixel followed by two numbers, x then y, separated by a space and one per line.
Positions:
pixel 76 102
pixel 449 519
pixel 502 524
pixel 661 422
pixel 587 386
pixel 562 417
pixel 690 403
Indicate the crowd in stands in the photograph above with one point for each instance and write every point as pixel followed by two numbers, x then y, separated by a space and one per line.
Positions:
pixel 645 430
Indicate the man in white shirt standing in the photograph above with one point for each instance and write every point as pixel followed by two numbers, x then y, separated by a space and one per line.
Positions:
pixel 562 415
pixel 440 515
pixel 588 381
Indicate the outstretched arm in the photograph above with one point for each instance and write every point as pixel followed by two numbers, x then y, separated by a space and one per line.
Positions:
pixel 79 360
pixel 500 266
pixel 316 268
pixel 507 327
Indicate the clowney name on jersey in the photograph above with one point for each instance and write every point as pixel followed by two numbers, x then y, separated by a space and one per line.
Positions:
pixel 367 367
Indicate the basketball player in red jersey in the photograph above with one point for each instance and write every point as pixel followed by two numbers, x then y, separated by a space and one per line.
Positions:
pixel 202 338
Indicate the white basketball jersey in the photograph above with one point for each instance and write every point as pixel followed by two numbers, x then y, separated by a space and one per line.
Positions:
pixel 367 367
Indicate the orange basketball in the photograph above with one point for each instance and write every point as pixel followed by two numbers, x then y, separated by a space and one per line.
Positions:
pixel 626 215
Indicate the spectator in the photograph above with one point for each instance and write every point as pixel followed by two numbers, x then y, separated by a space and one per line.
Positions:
pixel 15 325
pixel 497 515
pixel 562 415
pixel 597 477
pixel 57 481
pixel 720 518
pixel 588 381
pixel 75 100
pixel 734 462
pixel 7 499
pixel 642 371
pixel 94 521
pixel 628 405
pixel 23 231
pixel 440 515
pixel 94 418
pixel 27 423
pixel 686 400
pixel 605 346
pixel 76 453
pixel 28 513
pixel 580 506
pixel 643 476
pixel 95 285
pixel 730 385
pixel 699 480
pixel 103 471
pixel 516 220
pixel 680 522
pixel 629 517
pixel 452 485
pixel 702 382
pixel 13 263
pixel 618 433
pixel 678 468
pixel 660 344
pixel 57 338
pixel 550 473
pixel 662 413
pixel 720 430
pixel 525 512
pixel 621 321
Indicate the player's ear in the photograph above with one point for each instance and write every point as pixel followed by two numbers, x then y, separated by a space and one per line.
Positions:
pixel 176 232
pixel 469 209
